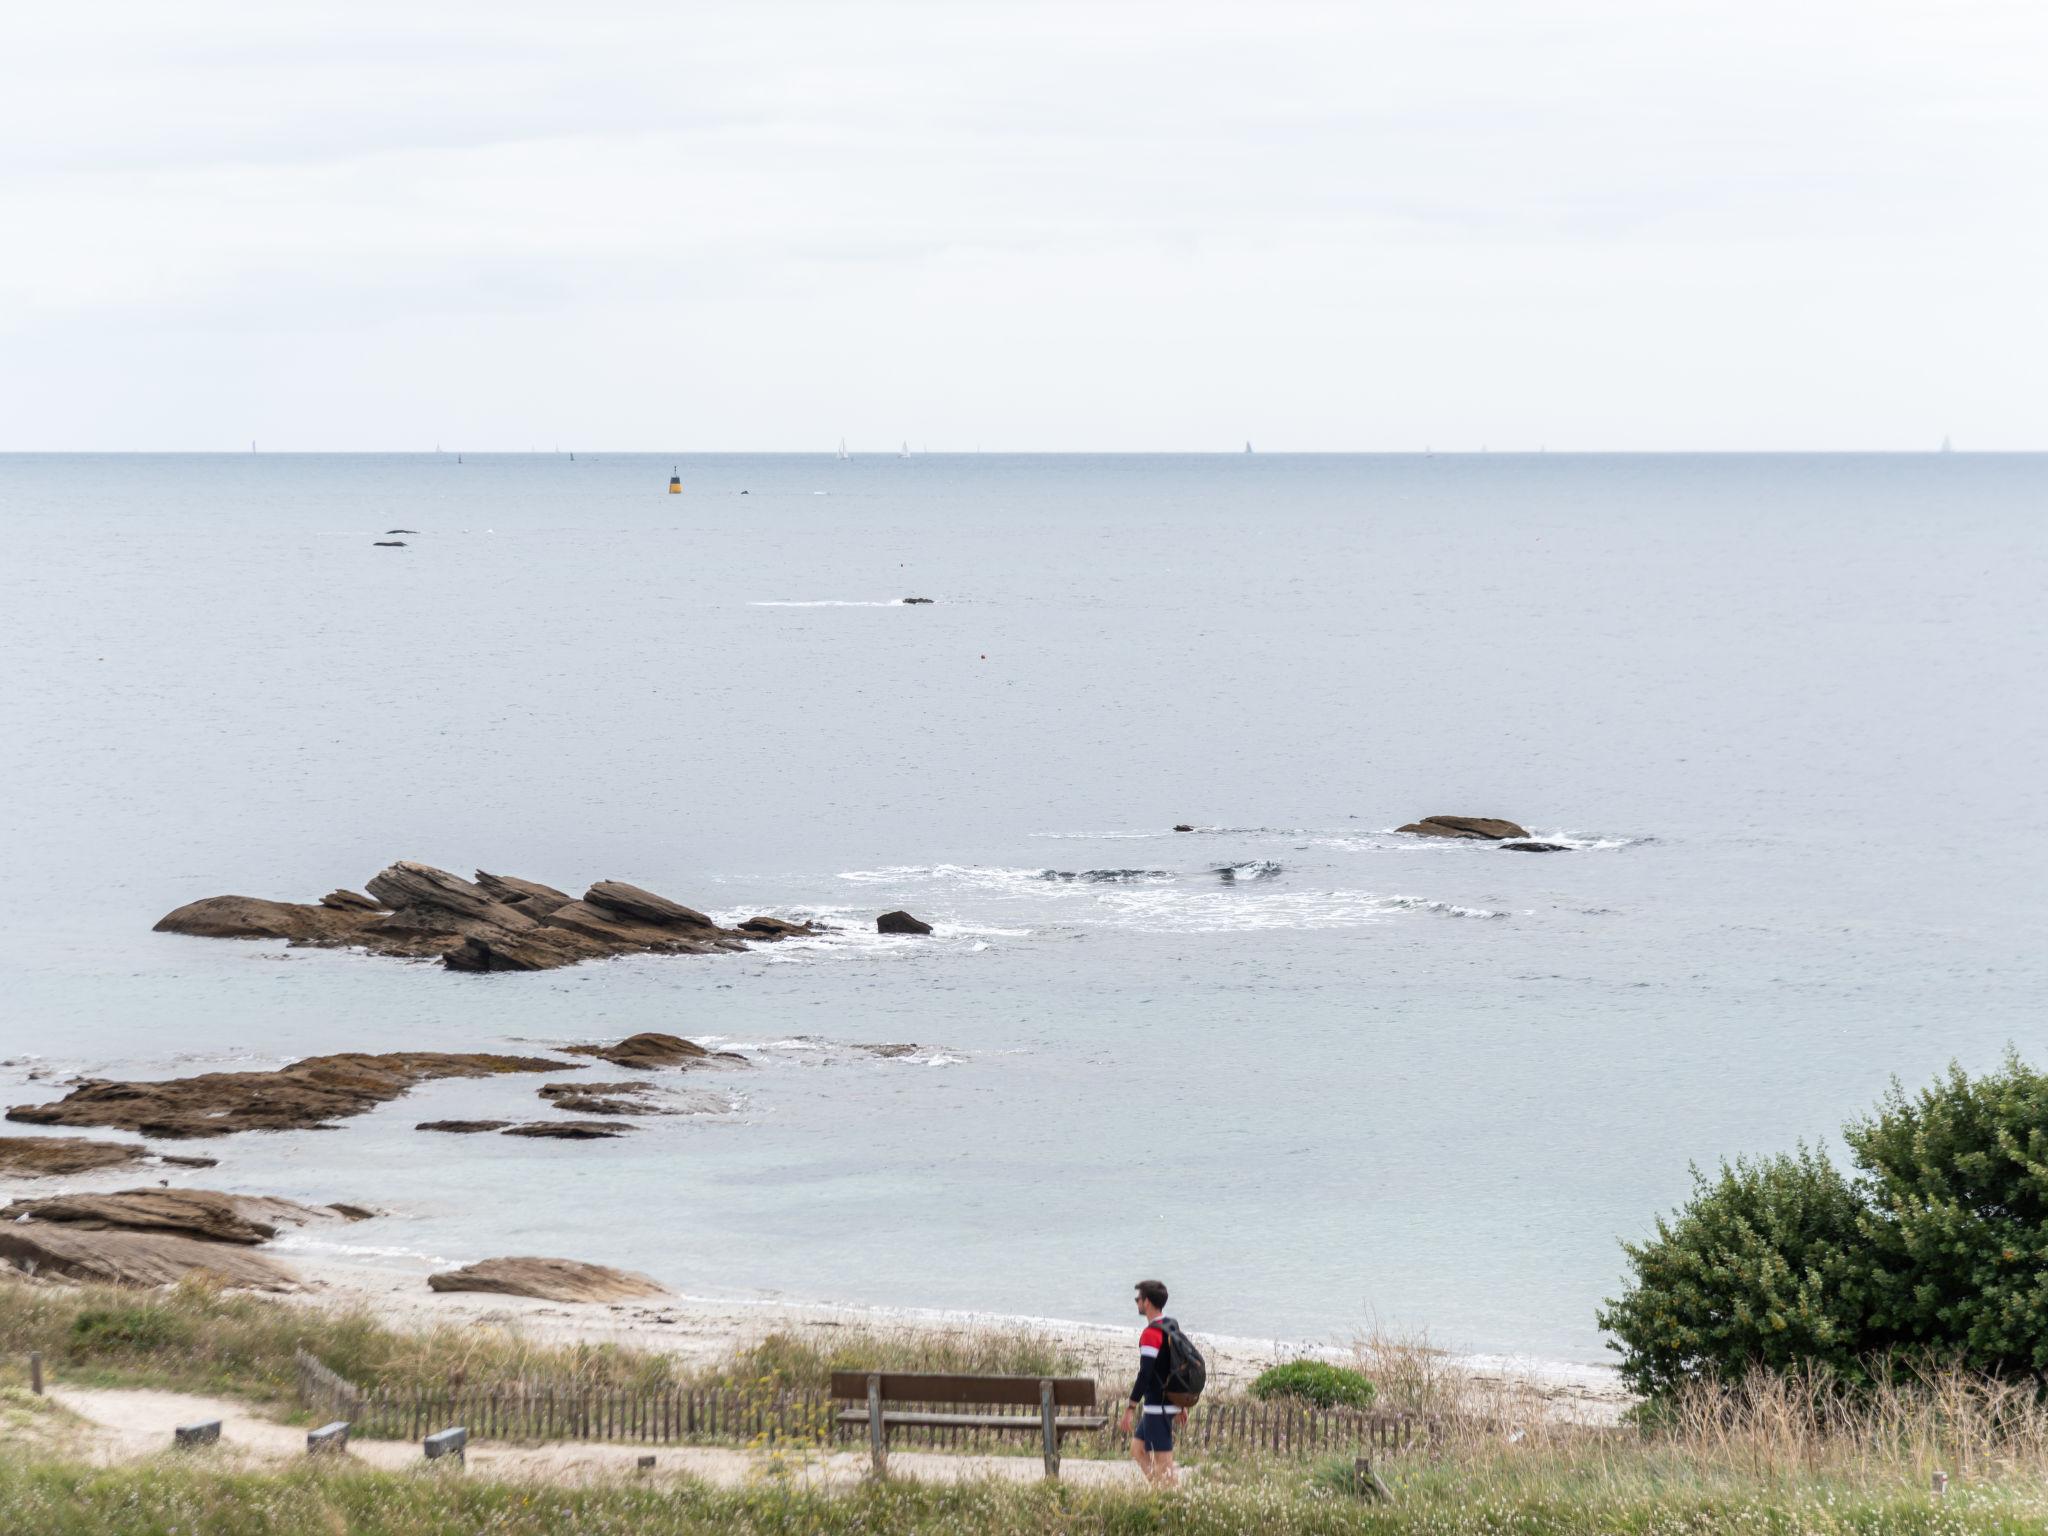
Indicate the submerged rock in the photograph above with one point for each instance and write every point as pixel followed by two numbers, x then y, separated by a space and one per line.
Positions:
pixel 306 1095
pixel 548 1280
pixel 462 1127
pixel 1537 847
pixel 912 602
pixel 1183 826
pixel 901 922
pixel 1487 828
pixel 389 543
pixel 568 1130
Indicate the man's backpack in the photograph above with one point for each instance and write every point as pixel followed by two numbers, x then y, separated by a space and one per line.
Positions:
pixel 1185 1371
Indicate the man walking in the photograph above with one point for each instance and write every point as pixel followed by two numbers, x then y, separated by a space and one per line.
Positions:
pixel 1152 1437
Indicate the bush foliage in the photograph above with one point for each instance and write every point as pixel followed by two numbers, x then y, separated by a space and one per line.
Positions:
pixel 1938 1245
pixel 1317 1382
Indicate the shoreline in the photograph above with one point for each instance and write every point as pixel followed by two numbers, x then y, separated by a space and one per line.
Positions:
pixel 703 1330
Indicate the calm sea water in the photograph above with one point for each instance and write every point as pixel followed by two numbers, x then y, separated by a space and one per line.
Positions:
pixel 1786 709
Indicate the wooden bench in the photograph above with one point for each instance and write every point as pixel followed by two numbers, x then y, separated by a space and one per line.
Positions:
pixel 1048 1394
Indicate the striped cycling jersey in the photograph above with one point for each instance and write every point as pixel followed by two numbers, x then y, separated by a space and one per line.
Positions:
pixel 1150 1387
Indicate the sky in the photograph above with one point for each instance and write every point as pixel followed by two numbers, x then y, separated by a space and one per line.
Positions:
pixel 1580 224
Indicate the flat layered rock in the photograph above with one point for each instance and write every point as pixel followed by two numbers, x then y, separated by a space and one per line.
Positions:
pixel 199 1213
pixel 776 928
pixel 34 1156
pixel 307 1095
pixel 349 901
pixel 145 1259
pixel 1487 828
pixel 529 896
pixel 548 1280
pixel 251 917
pixel 536 949
pixel 617 896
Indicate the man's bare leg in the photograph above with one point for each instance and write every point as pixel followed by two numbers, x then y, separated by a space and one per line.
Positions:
pixel 1142 1457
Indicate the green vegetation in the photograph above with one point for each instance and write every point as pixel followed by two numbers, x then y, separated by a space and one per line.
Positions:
pixel 194 1338
pixel 1937 1249
pixel 197 1495
pixel 1317 1382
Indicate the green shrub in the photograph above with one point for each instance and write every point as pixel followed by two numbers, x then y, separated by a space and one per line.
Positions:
pixel 1761 1267
pixel 1317 1382
pixel 1956 1218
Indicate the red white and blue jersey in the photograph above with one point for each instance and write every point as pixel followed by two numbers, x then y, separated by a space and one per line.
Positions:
pixel 1150 1387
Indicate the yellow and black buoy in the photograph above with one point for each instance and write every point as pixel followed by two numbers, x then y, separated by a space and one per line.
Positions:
pixel 675 484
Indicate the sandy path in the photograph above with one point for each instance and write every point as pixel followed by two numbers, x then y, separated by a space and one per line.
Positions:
pixel 123 1424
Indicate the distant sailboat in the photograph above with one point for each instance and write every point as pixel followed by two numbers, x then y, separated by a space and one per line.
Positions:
pixel 842 449
pixel 1247 445
pixel 1946 447
pixel 904 452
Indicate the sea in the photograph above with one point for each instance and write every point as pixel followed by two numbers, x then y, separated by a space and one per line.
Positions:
pixel 1784 712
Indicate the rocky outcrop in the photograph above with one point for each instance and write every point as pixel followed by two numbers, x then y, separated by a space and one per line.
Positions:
pixel 307 1095
pixel 37 1155
pixel 601 1098
pixel 1538 847
pixel 775 928
pixel 200 1213
pixel 1486 828
pixel 494 923
pixel 145 1259
pixel 648 1052
pixel 901 922
pixel 547 1279
pixel 568 1130
pixel 1183 826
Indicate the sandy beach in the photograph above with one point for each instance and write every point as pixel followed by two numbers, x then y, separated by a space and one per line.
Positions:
pixel 703 1330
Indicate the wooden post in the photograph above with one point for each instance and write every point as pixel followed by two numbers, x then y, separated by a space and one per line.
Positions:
pixel 1370 1488
pixel 1048 1419
pixel 878 1432
pixel 35 1372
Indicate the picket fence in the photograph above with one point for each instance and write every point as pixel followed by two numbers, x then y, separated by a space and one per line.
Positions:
pixel 738 1415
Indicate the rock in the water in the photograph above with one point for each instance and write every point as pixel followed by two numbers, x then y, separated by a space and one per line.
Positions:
pixel 201 1213
pixel 495 923
pixel 913 602
pixel 349 1212
pixel 774 928
pixel 251 917
pixel 901 922
pixel 649 1050
pixel 389 531
pixel 1488 828
pixel 547 1279
pixel 1538 847
pixel 349 901
pixel 389 543
pixel 462 1127
pixel 644 906
pixel 568 1130
pixel 303 1096
pixel 558 1091
pixel 146 1259
pixel 33 1155
pixel 1183 827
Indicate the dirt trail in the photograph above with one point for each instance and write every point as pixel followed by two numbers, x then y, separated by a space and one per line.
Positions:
pixel 124 1424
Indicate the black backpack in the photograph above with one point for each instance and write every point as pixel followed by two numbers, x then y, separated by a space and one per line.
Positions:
pixel 1182 1365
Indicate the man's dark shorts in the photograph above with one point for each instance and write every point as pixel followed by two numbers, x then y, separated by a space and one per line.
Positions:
pixel 1154 1431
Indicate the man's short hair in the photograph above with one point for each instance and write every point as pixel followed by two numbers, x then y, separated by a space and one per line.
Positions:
pixel 1153 1291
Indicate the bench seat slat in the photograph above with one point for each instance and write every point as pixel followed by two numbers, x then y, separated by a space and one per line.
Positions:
pixel 972 1420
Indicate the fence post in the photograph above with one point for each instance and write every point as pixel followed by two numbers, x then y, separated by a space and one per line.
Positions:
pixel 35 1371
pixel 1048 1420
pixel 878 1432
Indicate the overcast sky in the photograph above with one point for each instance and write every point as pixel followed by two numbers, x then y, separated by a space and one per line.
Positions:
pixel 1579 223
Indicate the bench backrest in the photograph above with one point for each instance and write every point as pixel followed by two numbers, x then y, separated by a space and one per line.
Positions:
pixel 925 1387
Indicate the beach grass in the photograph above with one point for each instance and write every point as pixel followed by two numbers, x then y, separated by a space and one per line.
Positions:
pixel 194 1337
pixel 57 1498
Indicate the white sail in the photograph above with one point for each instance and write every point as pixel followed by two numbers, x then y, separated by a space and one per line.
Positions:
pixel 842 449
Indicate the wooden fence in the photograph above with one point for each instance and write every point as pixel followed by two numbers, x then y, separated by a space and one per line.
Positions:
pixel 752 1416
